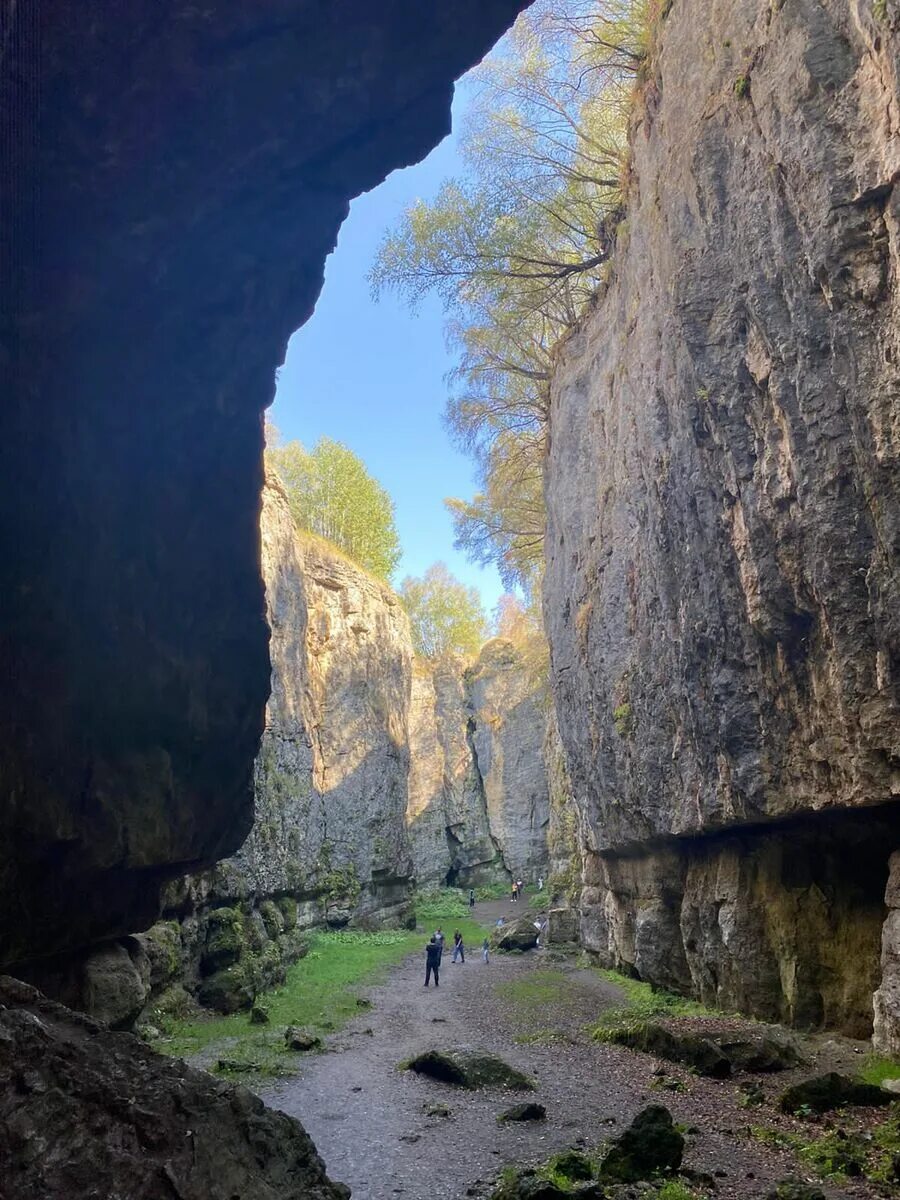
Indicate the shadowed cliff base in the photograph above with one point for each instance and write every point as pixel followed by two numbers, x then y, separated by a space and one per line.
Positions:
pixel 782 920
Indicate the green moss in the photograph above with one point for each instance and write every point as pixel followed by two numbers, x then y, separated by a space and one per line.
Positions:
pixel 840 1154
pixel 742 86
pixel 287 906
pixel 880 9
pixel 623 718
pixel 164 949
pixel 642 1003
pixel 272 918
pixel 225 939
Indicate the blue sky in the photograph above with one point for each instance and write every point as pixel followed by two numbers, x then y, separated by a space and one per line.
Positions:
pixel 372 376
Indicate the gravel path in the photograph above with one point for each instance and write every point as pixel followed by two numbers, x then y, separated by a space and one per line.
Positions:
pixel 370 1121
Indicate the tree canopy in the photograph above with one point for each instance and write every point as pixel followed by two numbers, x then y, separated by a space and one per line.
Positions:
pixel 444 614
pixel 333 495
pixel 517 247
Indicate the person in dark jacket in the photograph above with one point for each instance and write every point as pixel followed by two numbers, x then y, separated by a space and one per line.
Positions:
pixel 433 962
pixel 459 950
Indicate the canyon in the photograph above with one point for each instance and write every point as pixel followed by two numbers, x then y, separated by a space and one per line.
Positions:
pixel 713 778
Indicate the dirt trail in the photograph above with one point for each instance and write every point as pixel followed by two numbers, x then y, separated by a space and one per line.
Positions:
pixel 370 1120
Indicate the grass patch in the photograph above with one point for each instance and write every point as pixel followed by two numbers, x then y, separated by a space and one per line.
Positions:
pixel 844 1154
pixel 876 1070
pixel 539 902
pixel 643 1003
pixel 318 994
pixel 441 904
pixel 534 990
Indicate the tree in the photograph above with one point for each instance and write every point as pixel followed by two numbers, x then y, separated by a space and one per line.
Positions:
pixel 517 247
pixel 444 614
pixel 333 495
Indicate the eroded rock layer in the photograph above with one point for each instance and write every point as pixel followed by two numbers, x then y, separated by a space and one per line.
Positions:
pixel 722 590
pixel 173 182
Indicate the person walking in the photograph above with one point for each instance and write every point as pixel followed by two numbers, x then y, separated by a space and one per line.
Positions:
pixel 439 938
pixel 485 950
pixel 433 962
pixel 459 950
pixel 471 897
pixel 515 893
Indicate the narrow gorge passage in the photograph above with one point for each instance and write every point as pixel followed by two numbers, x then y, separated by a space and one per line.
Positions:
pixel 371 1121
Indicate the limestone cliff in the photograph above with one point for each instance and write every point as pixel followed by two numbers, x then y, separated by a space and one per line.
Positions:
pixel 722 592
pixel 478 797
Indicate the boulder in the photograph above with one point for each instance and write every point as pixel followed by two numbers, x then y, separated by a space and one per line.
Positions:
pixel 521 935
pixel 228 990
pixel 759 1054
pixel 259 1014
pixel 300 1039
pixel 649 1146
pixel 826 1092
pixel 115 988
pixel 469 1070
pixel 695 1051
pixel 88 1113
pixel 572 1165
pixel 527 1111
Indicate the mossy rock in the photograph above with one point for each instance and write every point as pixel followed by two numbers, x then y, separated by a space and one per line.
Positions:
pixel 272 918
pixel 699 1053
pixel 224 940
pixel 259 1014
pixel 823 1093
pixel 300 1039
pixel 527 1111
pixel 162 945
pixel 469 1070
pixel 287 906
pixel 229 990
pixel 651 1145
pixel 759 1054
pixel 175 1001
pixel 572 1165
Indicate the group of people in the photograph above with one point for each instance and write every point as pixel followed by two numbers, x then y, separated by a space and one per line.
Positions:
pixel 434 952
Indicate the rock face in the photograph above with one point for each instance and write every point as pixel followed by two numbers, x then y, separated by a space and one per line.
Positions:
pixel 85 1112
pixel 329 842
pixel 722 595
pixel 478 796
pixel 171 188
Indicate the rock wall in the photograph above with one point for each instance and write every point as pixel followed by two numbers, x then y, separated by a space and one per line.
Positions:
pixel 722 591
pixel 478 799
pixel 170 189
pixel 328 844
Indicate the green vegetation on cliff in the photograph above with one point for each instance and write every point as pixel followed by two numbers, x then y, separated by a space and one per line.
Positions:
pixel 331 494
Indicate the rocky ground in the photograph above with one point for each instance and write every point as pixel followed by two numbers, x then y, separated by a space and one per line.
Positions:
pixel 387 1132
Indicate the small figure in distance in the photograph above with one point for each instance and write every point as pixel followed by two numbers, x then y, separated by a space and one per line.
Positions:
pixel 515 893
pixel 471 897
pixel 485 950
pixel 459 950
pixel 520 888
pixel 540 883
pixel 433 962
pixel 439 938
pixel 499 922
